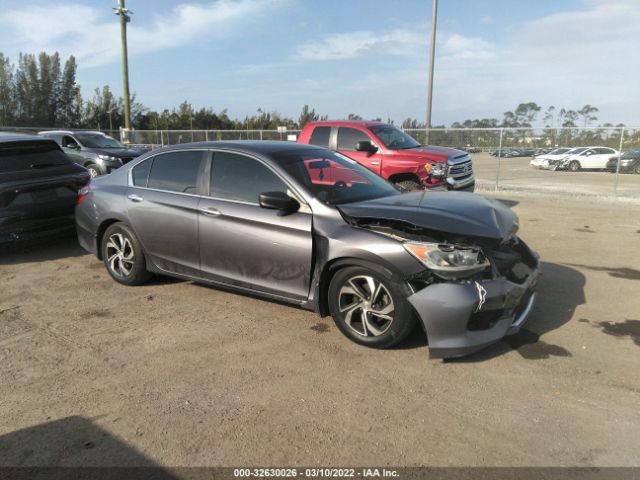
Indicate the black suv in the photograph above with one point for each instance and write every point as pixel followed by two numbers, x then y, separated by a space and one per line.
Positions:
pixel 38 188
pixel 98 152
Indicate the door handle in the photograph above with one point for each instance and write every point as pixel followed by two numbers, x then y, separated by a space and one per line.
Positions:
pixel 375 163
pixel 210 211
pixel 135 198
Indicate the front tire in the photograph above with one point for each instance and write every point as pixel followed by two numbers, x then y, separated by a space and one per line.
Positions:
pixel 409 185
pixel 574 166
pixel 94 170
pixel 370 308
pixel 123 256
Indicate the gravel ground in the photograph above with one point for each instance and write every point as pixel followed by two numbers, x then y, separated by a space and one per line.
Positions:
pixel 174 373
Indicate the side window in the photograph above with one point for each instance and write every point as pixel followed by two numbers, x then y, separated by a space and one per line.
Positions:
pixel 140 173
pixel 320 136
pixel 237 177
pixel 66 140
pixel 176 172
pixel 349 137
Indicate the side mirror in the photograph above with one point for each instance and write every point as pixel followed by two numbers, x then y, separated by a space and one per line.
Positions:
pixel 366 146
pixel 588 153
pixel 278 201
pixel 73 146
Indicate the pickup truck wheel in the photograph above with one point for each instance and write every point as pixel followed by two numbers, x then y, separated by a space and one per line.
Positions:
pixel 409 185
pixel 574 165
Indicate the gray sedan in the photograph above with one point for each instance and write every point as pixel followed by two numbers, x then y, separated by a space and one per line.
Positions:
pixel 305 225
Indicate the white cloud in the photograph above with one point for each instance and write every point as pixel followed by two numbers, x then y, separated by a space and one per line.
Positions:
pixel 341 46
pixel 86 33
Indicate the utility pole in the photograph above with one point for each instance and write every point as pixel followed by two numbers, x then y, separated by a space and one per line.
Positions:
pixel 432 55
pixel 125 17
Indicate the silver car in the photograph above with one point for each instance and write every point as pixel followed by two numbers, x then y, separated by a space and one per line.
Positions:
pixel 305 225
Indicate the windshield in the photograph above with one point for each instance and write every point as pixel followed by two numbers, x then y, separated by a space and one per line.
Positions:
pixel 332 177
pixel 575 151
pixel 394 138
pixel 559 151
pixel 98 140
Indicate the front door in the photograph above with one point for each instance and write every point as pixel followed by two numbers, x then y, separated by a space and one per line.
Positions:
pixel 348 138
pixel 245 245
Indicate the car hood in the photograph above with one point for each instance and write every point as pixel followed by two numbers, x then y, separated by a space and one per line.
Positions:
pixel 444 153
pixel 458 213
pixel 118 152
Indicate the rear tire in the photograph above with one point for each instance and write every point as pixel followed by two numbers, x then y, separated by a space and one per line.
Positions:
pixel 636 169
pixel 123 256
pixel 574 166
pixel 370 308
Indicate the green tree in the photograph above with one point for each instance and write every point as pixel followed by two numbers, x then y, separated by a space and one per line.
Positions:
pixel 7 92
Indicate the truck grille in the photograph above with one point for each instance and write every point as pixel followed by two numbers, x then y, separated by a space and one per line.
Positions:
pixel 462 170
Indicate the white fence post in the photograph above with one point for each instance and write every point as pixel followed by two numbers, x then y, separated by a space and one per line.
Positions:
pixel 499 160
pixel 615 185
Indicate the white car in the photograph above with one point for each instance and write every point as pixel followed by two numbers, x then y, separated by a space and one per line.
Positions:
pixel 584 158
pixel 542 161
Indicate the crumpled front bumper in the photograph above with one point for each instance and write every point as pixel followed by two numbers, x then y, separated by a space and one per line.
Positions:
pixel 462 318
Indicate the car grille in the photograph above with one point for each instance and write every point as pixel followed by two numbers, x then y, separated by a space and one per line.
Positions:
pixel 460 171
pixel 126 160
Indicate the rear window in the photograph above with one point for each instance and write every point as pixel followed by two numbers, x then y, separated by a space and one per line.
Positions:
pixel 15 157
pixel 320 136
pixel 176 172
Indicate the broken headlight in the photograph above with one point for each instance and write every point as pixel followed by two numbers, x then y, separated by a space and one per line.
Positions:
pixel 449 261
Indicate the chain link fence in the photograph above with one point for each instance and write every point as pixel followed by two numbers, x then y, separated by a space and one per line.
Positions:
pixel 503 158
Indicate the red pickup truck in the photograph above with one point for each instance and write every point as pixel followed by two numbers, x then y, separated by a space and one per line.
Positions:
pixel 393 154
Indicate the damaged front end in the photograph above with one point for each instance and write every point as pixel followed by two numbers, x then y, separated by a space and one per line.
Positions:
pixel 474 290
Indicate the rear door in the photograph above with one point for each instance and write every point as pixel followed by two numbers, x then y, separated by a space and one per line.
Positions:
pixel 162 204
pixel 603 156
pixel 346 142
pixel 245 245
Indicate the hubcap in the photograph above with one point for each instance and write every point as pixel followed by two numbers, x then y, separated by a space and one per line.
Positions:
pixel 120 255
pixel 367 306
pixel 93 172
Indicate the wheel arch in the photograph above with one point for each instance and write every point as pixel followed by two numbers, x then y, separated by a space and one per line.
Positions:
pixel 401 177
pixel 100 234
pixel 332 267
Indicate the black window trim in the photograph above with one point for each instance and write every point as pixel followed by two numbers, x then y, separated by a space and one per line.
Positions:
pixel 200 184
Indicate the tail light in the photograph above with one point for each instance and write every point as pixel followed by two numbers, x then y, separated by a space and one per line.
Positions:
pixel 82 194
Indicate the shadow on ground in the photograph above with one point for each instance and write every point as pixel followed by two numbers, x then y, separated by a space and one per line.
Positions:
pixel 55 249
pixel 71 442
pixel 560 291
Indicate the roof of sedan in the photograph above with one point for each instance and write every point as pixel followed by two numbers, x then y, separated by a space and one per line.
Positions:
pixel 250 146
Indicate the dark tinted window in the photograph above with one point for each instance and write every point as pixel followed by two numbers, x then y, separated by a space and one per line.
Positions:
pixel 349 137
pixel 31 156
pixel 236 177
pixel 140 173
pixel 320 136
pixel 176 172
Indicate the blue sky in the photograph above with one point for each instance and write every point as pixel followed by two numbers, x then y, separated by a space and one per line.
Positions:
pixel 359 56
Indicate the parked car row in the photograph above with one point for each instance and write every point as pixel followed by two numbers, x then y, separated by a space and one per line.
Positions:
pixel 585 158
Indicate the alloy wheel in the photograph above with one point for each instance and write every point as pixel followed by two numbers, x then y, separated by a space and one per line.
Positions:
pixel 367 306
pixel 120 255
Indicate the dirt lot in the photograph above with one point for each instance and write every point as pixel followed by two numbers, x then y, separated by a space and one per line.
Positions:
pixel 174 373
pixel 516 174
